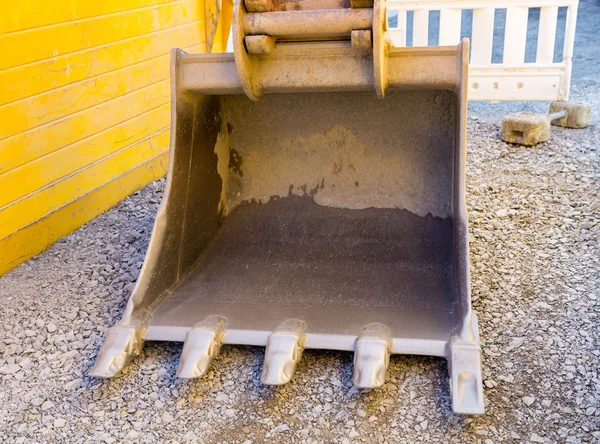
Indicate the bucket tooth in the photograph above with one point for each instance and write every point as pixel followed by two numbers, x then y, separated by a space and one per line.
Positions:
pixel 121 345
pixel 465 379
pixel 284 348
pixel 464 366
pixel 202 344
pixel 372 356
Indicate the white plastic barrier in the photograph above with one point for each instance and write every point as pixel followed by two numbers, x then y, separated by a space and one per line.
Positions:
pixel 513 78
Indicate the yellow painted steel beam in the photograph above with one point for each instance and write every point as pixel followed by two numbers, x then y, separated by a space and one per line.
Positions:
pixel 212 10
pixel 223 27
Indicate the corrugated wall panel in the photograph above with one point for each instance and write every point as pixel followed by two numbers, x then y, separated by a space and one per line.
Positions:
pixel 40 141
pixel 35 206
pixel 36 13
pixel 25 243
pixel 84 109
pixel 22 47
pixel 32 176
pixel 32 112
pixel 35 78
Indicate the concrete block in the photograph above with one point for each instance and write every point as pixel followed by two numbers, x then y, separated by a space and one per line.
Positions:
pixel 579 115
pixel 525 128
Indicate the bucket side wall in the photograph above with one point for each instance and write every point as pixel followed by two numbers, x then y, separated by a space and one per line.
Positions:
pixel 190 213
pixel 463 311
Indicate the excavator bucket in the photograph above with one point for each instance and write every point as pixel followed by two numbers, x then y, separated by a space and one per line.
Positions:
pixel 315 199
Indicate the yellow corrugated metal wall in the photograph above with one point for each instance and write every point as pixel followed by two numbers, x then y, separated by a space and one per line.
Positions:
pixel 84 109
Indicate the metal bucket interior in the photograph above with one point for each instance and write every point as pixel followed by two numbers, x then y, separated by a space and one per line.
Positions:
pixel 334 208
pixel 318 216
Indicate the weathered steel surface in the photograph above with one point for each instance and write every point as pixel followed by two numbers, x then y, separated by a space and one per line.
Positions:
pixel 306 211
pixel 301 24
pixel 259 44
pixel 294 5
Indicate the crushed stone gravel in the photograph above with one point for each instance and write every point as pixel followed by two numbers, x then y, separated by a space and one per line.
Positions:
pixel 535 268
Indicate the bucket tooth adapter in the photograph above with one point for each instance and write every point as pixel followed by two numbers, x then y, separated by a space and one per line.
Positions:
pixel 372 356
pixel 284 348
pixel 202 344
pixel 315 199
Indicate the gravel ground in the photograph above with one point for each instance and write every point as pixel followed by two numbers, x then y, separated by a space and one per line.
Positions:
pixel 535 252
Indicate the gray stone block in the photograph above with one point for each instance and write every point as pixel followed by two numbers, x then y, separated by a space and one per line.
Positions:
pixel 579 115
pixel 525 128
